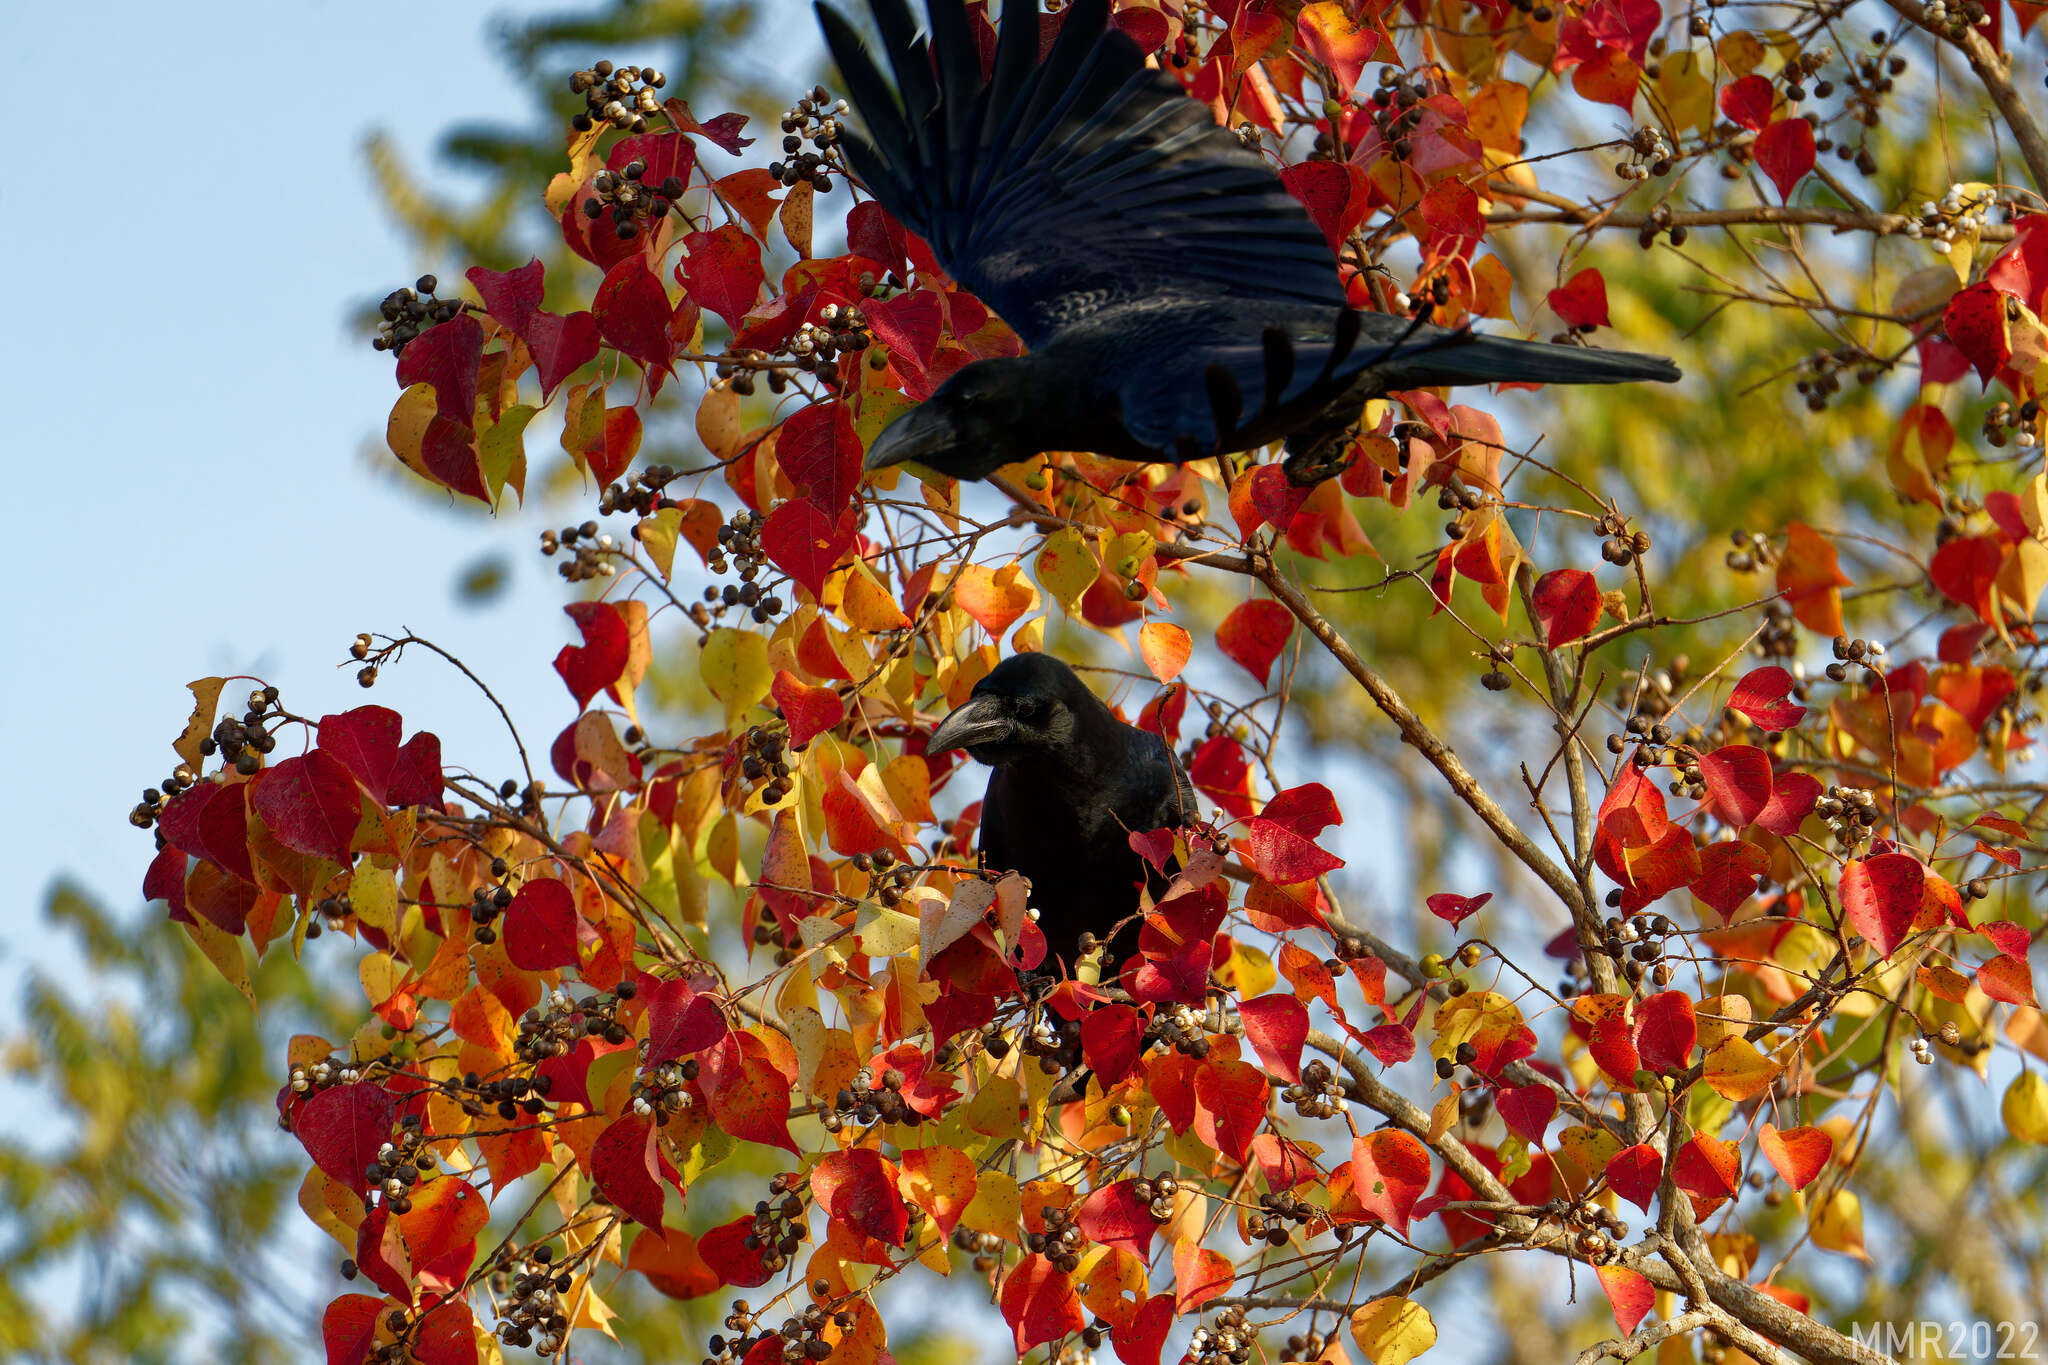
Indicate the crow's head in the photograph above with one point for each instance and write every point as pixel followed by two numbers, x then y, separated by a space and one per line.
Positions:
pixel 974 424
pixel 1029 706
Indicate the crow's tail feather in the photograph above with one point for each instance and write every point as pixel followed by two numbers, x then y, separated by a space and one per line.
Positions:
pixel 1469 358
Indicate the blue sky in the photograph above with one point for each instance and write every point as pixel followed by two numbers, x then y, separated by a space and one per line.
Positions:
pixel 194 427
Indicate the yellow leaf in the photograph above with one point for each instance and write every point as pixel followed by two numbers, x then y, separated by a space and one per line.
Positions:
pixel 1686 94
pixel 583 160
pixel 1249 970
pixel 1065 567
pixel 996 1207
pixel 334 1208
pixel 407 427
pixel 2025 1108
pixel 1737 1070
pixel 1740 52
pixel 735 668
pixel 373 894
pixel 2023 576
pixel 796 217
pixel 868 605
pixel 1393 1331
pixel 1496 115
pixel 658 534
pixel 1836 1223
pixel 224 951
pixel 502 450
pixel 1442 1116
pixel 205 696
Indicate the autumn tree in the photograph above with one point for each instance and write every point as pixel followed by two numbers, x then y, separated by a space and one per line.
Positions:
pixel 1707 717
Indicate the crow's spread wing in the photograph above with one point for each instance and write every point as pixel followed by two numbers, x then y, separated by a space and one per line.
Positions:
pixel 1055 189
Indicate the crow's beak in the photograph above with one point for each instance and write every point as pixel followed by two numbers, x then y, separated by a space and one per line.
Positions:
pixel 980 720
pixel 920 434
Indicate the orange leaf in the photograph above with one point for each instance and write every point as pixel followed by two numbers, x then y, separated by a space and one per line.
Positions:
pixel 1166 649
pixel 1810 579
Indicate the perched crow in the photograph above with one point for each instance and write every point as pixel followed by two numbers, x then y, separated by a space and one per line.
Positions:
pixel 1071 784
pixel 1176 300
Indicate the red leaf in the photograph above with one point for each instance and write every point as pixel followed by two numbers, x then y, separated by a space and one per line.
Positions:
pixel 725 1250
pixel 1748 101
pixel 1336 194
pixel 722 131
pixel 447 355
pixel 597 663
pixel 810 711
pixel 820 454
pixel 1976 323
pixel 366 741
pixel 1763 695
pixel 1230 1104
pixel 1389 1172
pixel 1882 897
pixel 1141 1341
pixel 447 1335
pixel 1039 1303
pixel 1115 1216
pixel 1666 1031
pixel 1629 1292
pixel 2008 980
pixel 1738 781
pixel 1453 909
pixel 1199 1275
pixel 512 297
pixel 622 1166
pixel 342 1127
pixel 909 325
pixel 1451 207
pixel 804 543
pixel 349 1328
pixel 749 1097
pixel 1609 77
pixel 540 926
pixel 1793 796
pixel 632 312
pixel 1709 1170
pixel 1112 1036
pixel 1799 1155
pixel 312 804
pixel 211 821
pixel 1253 635
pixel 857 1189
pixel 1527 1110
pixel 1277 1026
pixel 446 1215
pixel 448 451
pixel 1285 858
pixel 681 1020
pixel 1785 153
pixel 1728 874
pixel 1581 301
pixel 872 233
pixel 723 271
pixel 1635 1173
pixel 1567 600
pixel 2021 270
pixel 673 1264
pixel 561 345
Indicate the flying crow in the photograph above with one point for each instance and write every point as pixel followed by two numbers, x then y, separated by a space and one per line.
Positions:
pixel 1071 784
pixel 1176 300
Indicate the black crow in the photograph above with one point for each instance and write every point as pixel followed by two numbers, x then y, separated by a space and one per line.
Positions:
pixel 1176 300
pixel 1071 784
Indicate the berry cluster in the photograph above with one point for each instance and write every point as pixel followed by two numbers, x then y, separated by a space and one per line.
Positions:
pixel 507 1096
pixel 664 1092
pixel 1180 1029
pixel 1465 1054
pixel 408 312
pixel 244 742
pixel 622 96
pixel 1779 638
pixel 641 495
pixel 840 330
pixel 802 1337
pixel 1851 813
pixel 1457 496
pixel 329 912
pixel 633 204
pixel 1395 107
pixel 815 120
pixel 986 1247
pixel 764 757
pixel 550 1032
pixel 1659 223
pixel 1621 546
pixel 1636 945
pixel 307 1081
pixel 864 1103
pixel 534 1286
pixel 1303 1346
pixel 780 1225
pixel 1426 297
pixel 488 902
pixel 1750 549
pixel 1869 653
pixel 1279 1212
pixel 1061 1242
pixel 146 811
pixel 399 1165
pixel 1956 214
pixel 1649 154
pixel 1228 1342
pixel 1055 1043
pixel 2024 422
pixel 1594 1229
pixel 592 553
pixel 887 878
pixel 1319 1095
pixel 1157 1194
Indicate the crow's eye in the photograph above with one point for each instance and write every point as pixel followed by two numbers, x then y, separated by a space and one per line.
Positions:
pixel 1032 708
